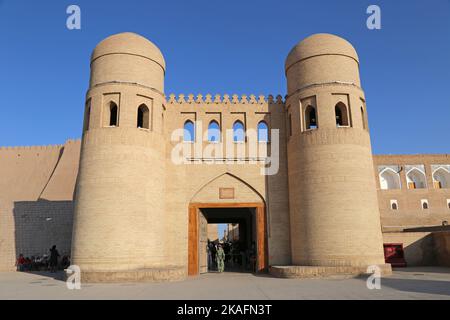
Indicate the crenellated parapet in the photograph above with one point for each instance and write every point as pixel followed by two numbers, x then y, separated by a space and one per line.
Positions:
pixel 224 99
pixel 48 147
pixel 45 147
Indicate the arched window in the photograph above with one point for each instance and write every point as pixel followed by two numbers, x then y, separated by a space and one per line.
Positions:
pixel 389 179
pixel 143 117
pixel 416 179
pixel 448 203
pixel 310 118
pixel 394 205
pixel 263 132
pixel 341 115
pixel 111 115
pixel 441 178
pixel 238 132
pixel 214 131
pixel 424 204
pixel 363 119
pixel 189 131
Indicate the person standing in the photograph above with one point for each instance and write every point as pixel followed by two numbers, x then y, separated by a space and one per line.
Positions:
pixel 220 257
pixel 54 254
pixel 213 255
pixel 20 263
pixel 210 255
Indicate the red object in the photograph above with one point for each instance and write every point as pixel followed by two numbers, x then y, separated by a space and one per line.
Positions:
pixel 394 254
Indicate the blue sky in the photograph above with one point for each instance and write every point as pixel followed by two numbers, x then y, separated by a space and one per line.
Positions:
pixel 230 47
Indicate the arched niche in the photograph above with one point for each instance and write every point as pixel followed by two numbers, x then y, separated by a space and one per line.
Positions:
pixel 441 178
pixel 416 179
pixel 389 179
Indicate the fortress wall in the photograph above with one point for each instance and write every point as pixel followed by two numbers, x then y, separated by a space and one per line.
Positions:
pixel 25 171
pixel 61 186
pixel 36 199
pixel 201 181
pixel 38 174
pixel 41 224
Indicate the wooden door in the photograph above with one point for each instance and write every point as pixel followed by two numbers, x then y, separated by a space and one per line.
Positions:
pixel 194 247
pixel 193 241
pixel 261 239
pixel 203 243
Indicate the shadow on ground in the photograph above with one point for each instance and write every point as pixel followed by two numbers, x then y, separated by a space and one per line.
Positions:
pixel 423 270
pixel 414 284
pixel 418 285
pixel 60 275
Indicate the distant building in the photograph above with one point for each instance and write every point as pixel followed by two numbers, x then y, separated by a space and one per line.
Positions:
pixel 232 232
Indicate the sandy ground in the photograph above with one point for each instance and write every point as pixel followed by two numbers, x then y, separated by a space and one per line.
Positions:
pixel 409 283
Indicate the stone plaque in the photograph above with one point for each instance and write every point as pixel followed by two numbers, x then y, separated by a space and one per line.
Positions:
pixel 226 193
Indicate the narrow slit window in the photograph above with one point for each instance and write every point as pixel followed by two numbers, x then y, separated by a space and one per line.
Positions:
pixel 87 118
pixel 113 115
pixel 363 119
pixel 290 124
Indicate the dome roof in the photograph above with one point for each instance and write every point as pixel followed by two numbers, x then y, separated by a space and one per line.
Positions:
pixel 129 43
pixel 320 44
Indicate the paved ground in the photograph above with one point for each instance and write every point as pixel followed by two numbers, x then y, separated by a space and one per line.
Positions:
pixel 410 283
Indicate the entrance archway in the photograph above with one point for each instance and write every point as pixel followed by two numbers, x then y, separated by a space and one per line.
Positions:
pixel 193 233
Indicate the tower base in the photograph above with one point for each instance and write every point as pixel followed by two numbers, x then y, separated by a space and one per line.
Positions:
pixel 138 275
pixel 311 272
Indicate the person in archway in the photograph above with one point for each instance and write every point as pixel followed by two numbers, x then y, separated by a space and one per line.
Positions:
pixel 220 257
pixel 209 249
pixel 252 257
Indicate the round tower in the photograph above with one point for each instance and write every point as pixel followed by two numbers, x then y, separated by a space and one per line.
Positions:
pixel 333 201
pixel 119 221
